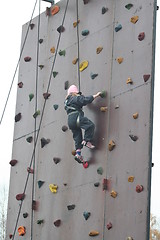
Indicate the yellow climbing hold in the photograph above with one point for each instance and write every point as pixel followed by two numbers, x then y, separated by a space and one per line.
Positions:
pixel 135 115
pixel 52 50
pixel 93 233
pixel 113 194
pixel 75 61
pixel 131 179
pixel 103 109
pixel 134 19
pixel 120 60
pixel 129 81
pixel 75 23
pixel 54 10
pixel 83 65
pixel 99 49
pixel 53 188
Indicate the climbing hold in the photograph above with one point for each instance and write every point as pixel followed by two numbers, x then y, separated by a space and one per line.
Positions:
pixel 103 94
pixel 75 60
pixel 40 40
pixel 13 162
pixel 34 205
pixel 31 25
pixel 46 95
pixel 129 238
pixel 44 142
pixel 86 1
pixel 146 77
pixel 109 225
pixel 85 164
pixel 62 52
pixel 30 170
pixel 129 6
pixel 65 184
pixel 55 74
pixel 73 152
pixel 96 184
pixel 99 49
pixel 56 160
pixel 29 139
pixel 141 36
pixel 119 60
pixel 113 194
pixel 75 23
pixel 53 188
pixel 25 215
pixel 20 196
pixel 135 115
pixel 103 109
pixel 100 170
pixel 52 50
pixel 20 84
pixel 104 10
pixel 60 29
pixel 139 188
pixel 86 215
pixel 85 32
pixel 157 8
pixel 133 137
pixel 40 183
pixel 66 85
pixel 131 179
pixel 71 207
pixel 64 128
pixel 118 28
pixel 111 145
pixel 36 113
pixel 21 230
pixel 129 81
pixel 18 117
pixel 134 19
pixel 10 236
pixel 105 184
pixel 48 11
pixel 93 75
pixel 41 66
pixel 40 221
pixel 27 59
pixel 57 223
pixel 55 9
pixel 31 96
pixel 55 106
pixel 83 65
pixel 116 106
pixel 93 233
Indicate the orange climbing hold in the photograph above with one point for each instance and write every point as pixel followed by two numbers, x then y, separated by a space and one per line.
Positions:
pixel 55 9
pixel 135 115
pixel 113 194
pixel 93 233
pixel 75 23
pixel 131 179
pixel 120 60
pixel 111 145
pixel 52 50
pixel 129 81
pixel 103 109
pixel 75 60
pixel 134 19
pixel 21 230
pixel 83 65
pixel 99 49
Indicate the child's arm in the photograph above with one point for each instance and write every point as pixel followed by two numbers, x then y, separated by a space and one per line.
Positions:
pixel 83 101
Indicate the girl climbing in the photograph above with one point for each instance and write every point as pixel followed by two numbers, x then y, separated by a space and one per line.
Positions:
pixel 77 121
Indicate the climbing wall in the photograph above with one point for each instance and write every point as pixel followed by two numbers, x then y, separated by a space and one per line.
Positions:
pixel 111 198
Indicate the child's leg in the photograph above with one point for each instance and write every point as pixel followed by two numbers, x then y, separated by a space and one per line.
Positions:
pixel 89 127
pixel 77 136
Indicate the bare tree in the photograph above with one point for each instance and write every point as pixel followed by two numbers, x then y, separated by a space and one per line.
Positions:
pixel 3 212
pixel 154 228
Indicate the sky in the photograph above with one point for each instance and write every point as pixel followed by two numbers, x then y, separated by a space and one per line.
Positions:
pixel 12 17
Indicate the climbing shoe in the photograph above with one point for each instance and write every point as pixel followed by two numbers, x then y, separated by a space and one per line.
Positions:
pixel 78 158
pixel 88 144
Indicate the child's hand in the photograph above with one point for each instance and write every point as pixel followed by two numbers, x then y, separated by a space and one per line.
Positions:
pixel 97 95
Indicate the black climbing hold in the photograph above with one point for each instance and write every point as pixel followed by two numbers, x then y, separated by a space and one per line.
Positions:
pixel 13 162
pixel 18 117
pixel 40 40
pixel 57 223
pixel 36 113
pixel 34 205
pixel 85 32
pixel 93 75
pixel 129 6
pixel 71 207
pixel 20 84
pixel 66 85
pixel 104 10
pixel 46 95
pixel 64 128
pixel 152 164
pixel 25 215
pixel 40 221
pixel 86 215
pixel 55 106
pixel 55 74
pixel 60 29
pixel 31 25
pixel 56 160
pixel 10 236
pixel 118 28
pixel 27 59
pixel 29 139
pixel 96 184
pixel 40 183
pixel 86 1
pixel 133 137
pixel 44 142
pixel 157 7
pixel 20 196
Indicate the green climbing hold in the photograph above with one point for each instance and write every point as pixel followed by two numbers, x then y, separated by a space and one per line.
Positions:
pixel 100 170
pixel 118 28
pixel 40 183
pixel 31 96
pixel 62 52
pixel 36 113
pixel 86 215
pixel 93 75
pixel 103 94
pixel 40 221
pixel 85 32
pixel 29 139
pixel 129 6
pixel 55 74
pixel 55 106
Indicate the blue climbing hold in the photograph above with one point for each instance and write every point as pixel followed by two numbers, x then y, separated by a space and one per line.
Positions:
pixel 118 28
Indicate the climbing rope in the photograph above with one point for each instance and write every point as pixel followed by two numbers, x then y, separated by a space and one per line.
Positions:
pixel 40 123
pixel 79 80
pixel 25 39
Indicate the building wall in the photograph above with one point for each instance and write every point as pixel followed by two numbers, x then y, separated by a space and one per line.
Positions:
pixel 128 212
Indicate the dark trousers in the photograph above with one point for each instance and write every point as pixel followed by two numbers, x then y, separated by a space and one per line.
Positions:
pixel 84 123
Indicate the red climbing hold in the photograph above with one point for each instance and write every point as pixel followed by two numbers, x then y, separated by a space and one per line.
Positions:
pixel 46 95
pixel 139 188
pixel 13 162
pixel 57 223
pixel 141 36
pixel 146 77
pixel 30 170
pixel 109 225
pixel 10 236
pixel 20 84
pixel 20 196
pixel 85 164
pixel 27 59
pixel 60 29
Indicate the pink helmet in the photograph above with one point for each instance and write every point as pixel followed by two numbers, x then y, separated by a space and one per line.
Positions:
pixel 72 89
